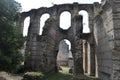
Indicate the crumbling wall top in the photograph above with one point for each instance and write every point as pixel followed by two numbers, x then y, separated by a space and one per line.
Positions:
pixel 58 9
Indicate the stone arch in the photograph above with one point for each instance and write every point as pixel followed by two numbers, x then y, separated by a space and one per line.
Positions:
pixel 26 26
pixel 23 17
pixel 90 13
pixel 85 56
pixel 87 60
pixel 61 10
pixel 43 19
pixel 39 45
pixel 64 55
pixel 65 23
pixel 85 21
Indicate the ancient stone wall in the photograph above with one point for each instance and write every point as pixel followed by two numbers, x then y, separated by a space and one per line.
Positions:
pixel 99 49
pixel 116 51
pixel 106 31
pixel 43 49
pixel 103 31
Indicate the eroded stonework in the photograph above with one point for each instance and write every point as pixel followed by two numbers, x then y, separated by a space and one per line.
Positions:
pixel 95 53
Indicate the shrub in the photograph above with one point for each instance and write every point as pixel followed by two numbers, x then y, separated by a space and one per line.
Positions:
pixel 33 76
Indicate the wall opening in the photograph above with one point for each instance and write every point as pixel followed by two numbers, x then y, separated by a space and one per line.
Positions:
pixel 26 26
pixel 65 20
pixel 43 18
pixel 85 15
pixel 85 56
pixel 89 60
pixel 89 65
pixel 64 57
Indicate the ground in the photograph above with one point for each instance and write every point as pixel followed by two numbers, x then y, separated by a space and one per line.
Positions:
pixel 62 75
pixel 9 76
pixel 65 75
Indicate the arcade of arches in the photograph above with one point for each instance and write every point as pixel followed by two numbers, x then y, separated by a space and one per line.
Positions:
pixel 94 53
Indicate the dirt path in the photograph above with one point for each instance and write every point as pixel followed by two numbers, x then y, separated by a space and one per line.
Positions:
pixel 7 76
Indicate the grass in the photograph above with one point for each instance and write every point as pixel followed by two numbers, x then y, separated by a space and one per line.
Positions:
pixel 61 75
pixel 34 74
pixel 65 75
pixel 91 77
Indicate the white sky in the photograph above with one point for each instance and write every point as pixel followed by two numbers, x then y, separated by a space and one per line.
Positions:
pixel 34 4
pixel 30 4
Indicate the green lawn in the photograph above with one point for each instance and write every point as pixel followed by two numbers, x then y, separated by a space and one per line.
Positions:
pixel 91 77
pixel 65 75
pixel 62 75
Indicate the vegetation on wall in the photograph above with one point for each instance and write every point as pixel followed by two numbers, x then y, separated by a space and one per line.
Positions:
pixel 99 11
pixel 11 40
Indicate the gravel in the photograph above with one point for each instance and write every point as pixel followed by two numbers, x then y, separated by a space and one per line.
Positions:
pixel 8 76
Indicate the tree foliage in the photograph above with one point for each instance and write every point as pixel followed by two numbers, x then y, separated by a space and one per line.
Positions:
pixel 11 40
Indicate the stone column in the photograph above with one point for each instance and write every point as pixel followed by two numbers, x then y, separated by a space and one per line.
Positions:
pixel 31 45
pixel 78 58
pixel 77 50
pixel 91 59
pixel 85 56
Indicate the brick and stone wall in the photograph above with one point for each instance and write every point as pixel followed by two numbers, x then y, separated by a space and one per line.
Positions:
pixel 106 31
pixel 100 50
pixel 43 49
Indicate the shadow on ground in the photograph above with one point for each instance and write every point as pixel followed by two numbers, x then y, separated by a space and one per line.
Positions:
pixel 65 75
pixel 60 76
pixel 85 77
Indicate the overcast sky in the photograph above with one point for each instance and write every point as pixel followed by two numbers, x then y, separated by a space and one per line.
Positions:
pixel 30 4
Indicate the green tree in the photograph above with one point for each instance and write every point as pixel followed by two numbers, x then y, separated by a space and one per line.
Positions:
pixel 11 40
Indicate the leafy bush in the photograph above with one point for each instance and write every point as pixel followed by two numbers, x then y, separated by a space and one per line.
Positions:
pixel 33 76
pixel 11 40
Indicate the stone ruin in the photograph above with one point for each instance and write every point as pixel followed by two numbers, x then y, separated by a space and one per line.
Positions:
pixel 95 53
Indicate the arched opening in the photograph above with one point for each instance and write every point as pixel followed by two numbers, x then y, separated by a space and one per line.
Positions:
pixel 85 56
pixel 65 20
pixel 85 15
pixel 43 18
pixel 26 25
pixel 64 57
pixel 89 60
pixel 89 63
